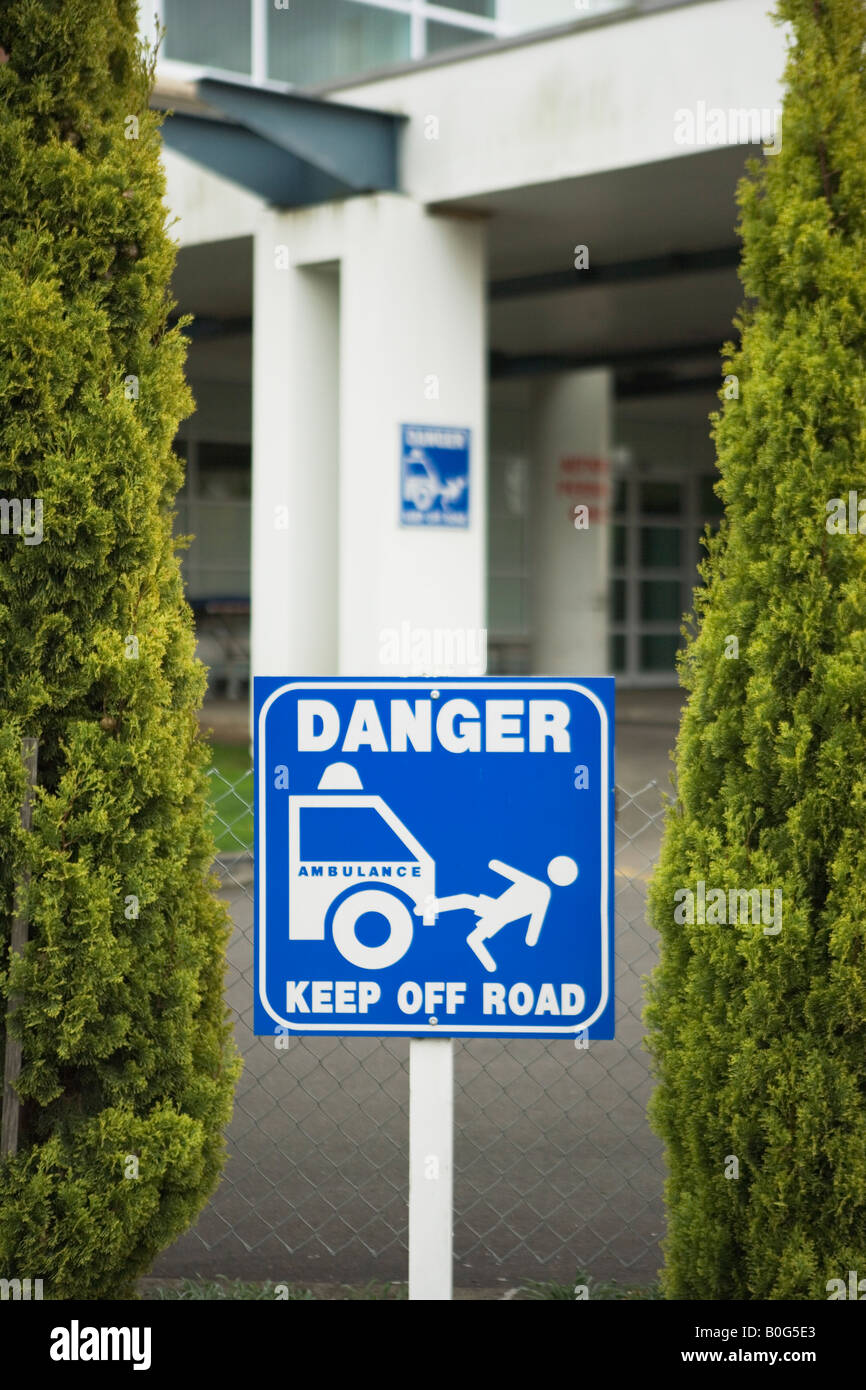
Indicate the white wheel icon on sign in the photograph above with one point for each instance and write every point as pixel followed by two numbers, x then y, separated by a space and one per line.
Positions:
pixel 387 905
pixel 423 498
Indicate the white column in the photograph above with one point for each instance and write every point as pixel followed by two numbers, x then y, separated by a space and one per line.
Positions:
pixel 412 351
pixel 295 410
pixel 569 564
pixel 431 1168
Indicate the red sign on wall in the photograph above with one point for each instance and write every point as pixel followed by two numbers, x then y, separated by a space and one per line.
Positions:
pixel 585 482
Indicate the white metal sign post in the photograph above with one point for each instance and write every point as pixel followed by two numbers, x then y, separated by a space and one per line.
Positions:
pixel 434 861
pixel 431 1168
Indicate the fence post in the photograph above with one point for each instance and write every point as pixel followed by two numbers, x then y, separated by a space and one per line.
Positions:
pixel 12 1067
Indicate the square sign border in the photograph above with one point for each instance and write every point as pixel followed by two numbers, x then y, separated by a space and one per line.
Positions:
pixel 405 1029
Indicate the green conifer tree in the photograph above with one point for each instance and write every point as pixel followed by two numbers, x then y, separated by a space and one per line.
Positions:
pixel 759 1037
pixel 128 1064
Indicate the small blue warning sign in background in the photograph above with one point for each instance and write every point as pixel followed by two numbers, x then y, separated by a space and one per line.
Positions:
pixel 434 476
pixel 434 857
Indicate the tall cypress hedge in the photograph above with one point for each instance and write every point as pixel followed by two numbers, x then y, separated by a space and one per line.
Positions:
pixel 759 1037
pixel 128 1064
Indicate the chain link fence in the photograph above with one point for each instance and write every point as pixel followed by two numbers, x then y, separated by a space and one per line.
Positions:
pixel 555 1168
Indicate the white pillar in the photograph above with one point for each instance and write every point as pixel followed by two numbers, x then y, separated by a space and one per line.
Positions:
pixel 295 411
pixel 431 1168
pixel 569 564
pixel 412 351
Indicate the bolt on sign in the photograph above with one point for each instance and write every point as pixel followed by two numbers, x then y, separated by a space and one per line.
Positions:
pixel 434 858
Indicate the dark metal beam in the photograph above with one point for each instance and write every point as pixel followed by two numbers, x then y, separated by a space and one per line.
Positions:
pixel 648 268
pixel 204 328
pixel 663 384
pixel 293 151
pixel 534 364
pixel 256 164
pixel 637 373
pixel 355 146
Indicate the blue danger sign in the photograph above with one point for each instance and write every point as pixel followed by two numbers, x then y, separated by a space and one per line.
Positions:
pixel 434 857
pixel 434 476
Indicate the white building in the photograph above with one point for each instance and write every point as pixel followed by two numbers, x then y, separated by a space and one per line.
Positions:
pixel 398 213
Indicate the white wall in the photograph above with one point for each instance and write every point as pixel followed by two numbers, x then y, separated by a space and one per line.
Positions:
pixel 569 563
pixel 336 371
pixel 295 549
pixel 597 98
pixel 589 100
pixel 412 351
pixel 204 207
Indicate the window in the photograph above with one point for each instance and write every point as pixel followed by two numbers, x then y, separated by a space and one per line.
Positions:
pixel 343 833
pixel 444 36
pixel 508 614
pixel 508 600
pixel 486 8
pixel 215 36
pixel 656 527
pixel 660 498
pixel 658 651
pixel 320 40
pixel 521 16
pixel 660 547
pixel 308 42
pixel 224 472
pixel 214 508
pixel 617 652
pixel 712 506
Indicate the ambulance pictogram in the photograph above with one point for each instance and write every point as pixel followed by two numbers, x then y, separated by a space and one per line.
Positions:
pixel 381 869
